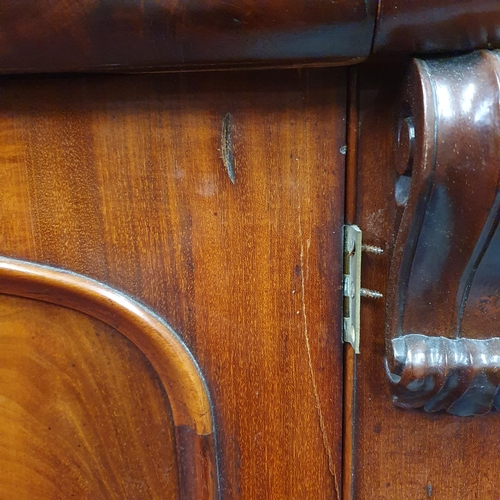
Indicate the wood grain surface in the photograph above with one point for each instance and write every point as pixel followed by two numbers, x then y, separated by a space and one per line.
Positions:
pixel 178 372
pixel 182 380
pixel 83 414
pixel 400 453
pixel 352 143
pixel 111 35
pixel 144 35
pixel 216 200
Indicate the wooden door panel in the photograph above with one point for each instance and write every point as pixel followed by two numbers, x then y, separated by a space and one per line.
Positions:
pixel 83 414
pixel 217 200
pixel 96 398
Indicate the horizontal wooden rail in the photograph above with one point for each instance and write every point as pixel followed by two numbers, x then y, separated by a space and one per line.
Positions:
pixel 112 35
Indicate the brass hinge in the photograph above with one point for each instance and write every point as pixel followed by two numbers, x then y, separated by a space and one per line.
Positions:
pixel 353 248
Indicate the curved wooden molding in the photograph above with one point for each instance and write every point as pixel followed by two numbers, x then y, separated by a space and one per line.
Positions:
pixel 186 389
pixel 445 272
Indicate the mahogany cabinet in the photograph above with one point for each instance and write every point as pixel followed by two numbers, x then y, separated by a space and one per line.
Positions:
pixel 175 277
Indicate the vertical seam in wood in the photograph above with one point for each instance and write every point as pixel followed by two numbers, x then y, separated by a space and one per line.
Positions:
pixel 349 401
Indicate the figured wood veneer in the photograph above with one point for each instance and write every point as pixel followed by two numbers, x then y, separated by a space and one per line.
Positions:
pixel 176 368
pixel 82 412
pixel 121 178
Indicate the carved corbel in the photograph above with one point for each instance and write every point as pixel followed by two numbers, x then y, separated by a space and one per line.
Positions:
pixel 443 302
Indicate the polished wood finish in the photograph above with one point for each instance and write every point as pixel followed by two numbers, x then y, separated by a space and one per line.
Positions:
pixel 89 35
pixel 217 200
pixel 452 208
pixel 160 35
pixel 83 413
pixel 460 375
pixel 401 453
pixel 188 397
pixel 176 367
pixel 121 178
pixel 449 188
pixel 439 26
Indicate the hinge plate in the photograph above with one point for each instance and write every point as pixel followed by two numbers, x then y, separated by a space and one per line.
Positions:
pixel 352 284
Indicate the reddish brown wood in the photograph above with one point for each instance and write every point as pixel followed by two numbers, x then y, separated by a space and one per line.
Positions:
pixel 54 35
pixel 198 474
pixel 350 218
pixel 418 27
pixel 174 364
pixel 83 413
pixel 121 178
pixel 450 217
pixel 401 453
pixel 460 375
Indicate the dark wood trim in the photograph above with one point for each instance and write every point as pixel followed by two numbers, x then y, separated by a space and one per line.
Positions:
pixel 54 36
pixel 412 27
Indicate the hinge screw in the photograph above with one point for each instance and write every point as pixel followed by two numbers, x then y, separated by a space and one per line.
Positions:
pixel 371 294
pixel 372 249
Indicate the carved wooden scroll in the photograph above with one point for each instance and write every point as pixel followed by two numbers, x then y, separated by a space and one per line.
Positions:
pixel 443 304
pixel 186 390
